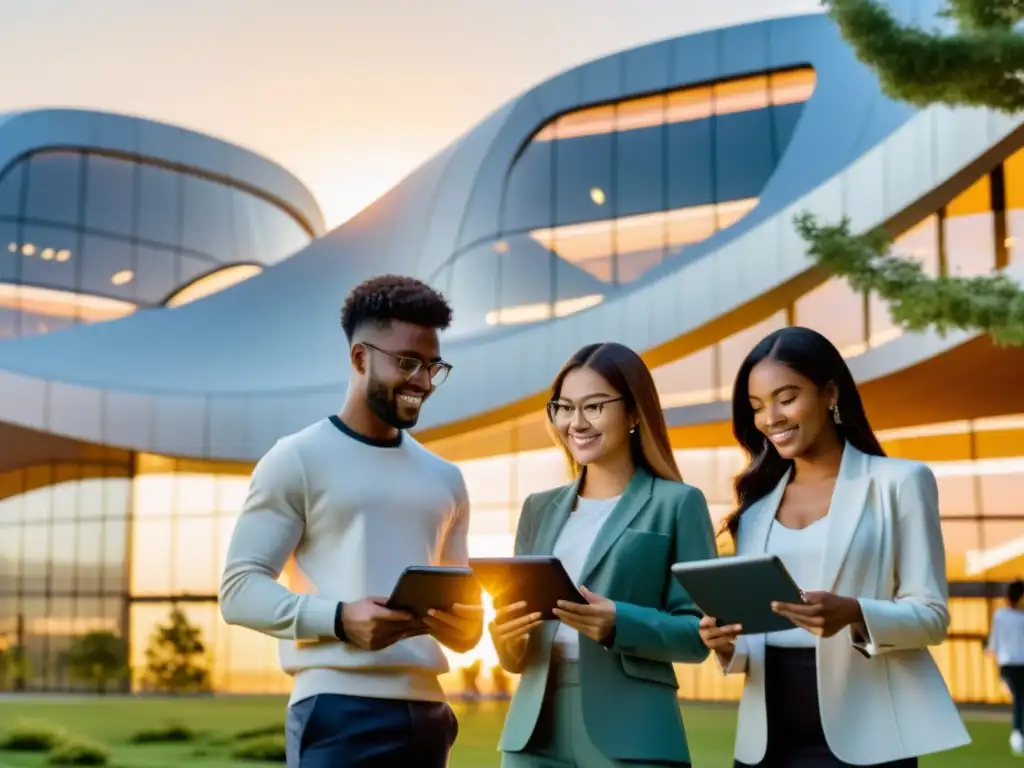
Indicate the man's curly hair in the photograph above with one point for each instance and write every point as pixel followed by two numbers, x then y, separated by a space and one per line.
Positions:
pixel 382 299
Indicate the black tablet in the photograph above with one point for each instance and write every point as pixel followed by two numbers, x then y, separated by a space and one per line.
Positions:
pixel 540 580
pixel 740 590
pixel 421 588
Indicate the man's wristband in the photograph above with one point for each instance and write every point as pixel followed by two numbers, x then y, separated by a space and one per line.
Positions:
pixel 339 623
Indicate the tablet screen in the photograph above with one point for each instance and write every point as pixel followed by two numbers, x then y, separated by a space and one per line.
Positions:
pixel 539 580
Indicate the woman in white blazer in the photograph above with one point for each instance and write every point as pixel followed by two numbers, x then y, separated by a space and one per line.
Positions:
pixel 853 682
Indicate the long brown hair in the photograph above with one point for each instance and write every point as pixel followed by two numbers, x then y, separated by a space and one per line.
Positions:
pixel 626 372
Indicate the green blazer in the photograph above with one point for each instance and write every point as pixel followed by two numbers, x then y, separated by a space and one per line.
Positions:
pixel 629 688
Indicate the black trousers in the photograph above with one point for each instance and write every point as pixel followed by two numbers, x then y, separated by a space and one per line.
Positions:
pixel 796 738
pixel 1013 676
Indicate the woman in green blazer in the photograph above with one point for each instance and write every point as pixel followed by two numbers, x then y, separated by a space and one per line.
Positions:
pixel 597 686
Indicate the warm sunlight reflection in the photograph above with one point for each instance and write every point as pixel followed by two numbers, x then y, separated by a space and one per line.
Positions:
pixel 47 302
pixel 532 313
pixel 214 282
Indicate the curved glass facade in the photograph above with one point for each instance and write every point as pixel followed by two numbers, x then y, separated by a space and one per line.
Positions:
pixel 602 194
pixel 124 232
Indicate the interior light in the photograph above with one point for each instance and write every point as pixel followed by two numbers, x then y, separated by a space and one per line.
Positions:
pixel 28 249
pixel 597 195
pixel 501 247
pixel 12 247
pixel 122 277
pixel 63 254
pixel 47 254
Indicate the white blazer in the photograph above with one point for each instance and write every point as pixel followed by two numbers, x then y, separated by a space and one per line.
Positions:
pixel 881 698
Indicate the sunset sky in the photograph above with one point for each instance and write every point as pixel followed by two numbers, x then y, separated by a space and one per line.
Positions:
pixel 350 95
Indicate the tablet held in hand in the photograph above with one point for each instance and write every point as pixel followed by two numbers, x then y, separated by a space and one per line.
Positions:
pixel 538 580
pixel 422 588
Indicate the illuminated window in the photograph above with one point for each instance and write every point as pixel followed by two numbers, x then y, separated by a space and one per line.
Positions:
pixel 836 311
pixel 1013 173
pixel 213 282
pixel 970 231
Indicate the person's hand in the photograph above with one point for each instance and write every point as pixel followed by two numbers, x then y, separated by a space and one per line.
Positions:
pixel 511 628
pixel 459 630
pixel 824 614
pixel 370 625
pixel 595 619
pixel 721 640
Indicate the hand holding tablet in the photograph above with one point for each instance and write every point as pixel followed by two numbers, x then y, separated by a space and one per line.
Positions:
pixel 423 588
pixel 537 581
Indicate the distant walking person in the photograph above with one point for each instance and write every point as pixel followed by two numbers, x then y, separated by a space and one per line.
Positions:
pixel 852 682
pixel 355 500
pixel 1006 644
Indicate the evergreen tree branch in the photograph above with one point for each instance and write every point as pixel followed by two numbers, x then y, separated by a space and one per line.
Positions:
pixel 992 304
pixel 980 66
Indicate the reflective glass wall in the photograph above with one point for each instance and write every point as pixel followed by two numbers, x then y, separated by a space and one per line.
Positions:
pixel 600 195
pixel 86 237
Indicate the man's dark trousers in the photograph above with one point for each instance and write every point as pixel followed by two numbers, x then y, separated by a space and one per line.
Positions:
pixel 334 731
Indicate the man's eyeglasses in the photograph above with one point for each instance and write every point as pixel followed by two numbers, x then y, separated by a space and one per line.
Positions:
pixel 562 412
pixel 438 370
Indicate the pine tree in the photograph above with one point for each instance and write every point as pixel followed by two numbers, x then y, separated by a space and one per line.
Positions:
pixel 977 64
pixel 176 657
pixel 98 658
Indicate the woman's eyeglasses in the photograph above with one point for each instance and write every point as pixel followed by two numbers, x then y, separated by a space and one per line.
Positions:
pixel 562 412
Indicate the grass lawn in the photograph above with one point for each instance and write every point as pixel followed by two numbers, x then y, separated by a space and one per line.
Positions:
pixel 113 720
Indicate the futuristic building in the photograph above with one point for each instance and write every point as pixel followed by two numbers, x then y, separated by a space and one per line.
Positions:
pixel 647 198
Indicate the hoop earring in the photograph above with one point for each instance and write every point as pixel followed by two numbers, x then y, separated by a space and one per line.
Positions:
pixel 835 413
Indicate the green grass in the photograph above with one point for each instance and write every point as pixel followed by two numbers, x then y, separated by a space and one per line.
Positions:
pixel 113 721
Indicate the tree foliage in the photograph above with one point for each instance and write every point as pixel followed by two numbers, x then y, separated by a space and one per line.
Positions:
pixel 98 658
pixel 176 657
pixel 977 61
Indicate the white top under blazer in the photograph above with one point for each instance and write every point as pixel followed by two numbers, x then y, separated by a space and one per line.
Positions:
pixel 881 698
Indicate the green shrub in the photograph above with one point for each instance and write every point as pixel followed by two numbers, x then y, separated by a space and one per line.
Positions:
pixel 77 751
pixel 264 748
pixel 31 736
pixel 165 734
pixel 267 730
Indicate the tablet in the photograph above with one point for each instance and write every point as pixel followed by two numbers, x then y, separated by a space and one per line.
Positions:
pixel 540 580
pixel 740 590
pixel 423 587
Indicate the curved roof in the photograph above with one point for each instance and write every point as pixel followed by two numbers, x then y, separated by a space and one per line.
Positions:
pixel 39 129
pixel 197 382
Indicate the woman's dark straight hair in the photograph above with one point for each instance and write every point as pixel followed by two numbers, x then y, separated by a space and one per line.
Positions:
pixel 814 357
pixel 627 373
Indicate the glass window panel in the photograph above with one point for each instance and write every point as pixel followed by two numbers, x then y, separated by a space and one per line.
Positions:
pixel 529 194
pixel 920 242
pixel 970 231
pixel 791 87
pixel 63 551
pixel 271 232
pixel 640 156
pixel 961 537
pixel 33 611
pixel 699 468
pixel 159 205
pixel 1000 555
pixel 687 381
pixel 583 176
pixel 191 268
pixel 48 256
pixel 10 189
pixel 744 154
pixel 524 290
pixel 35 553
pixel 690 160
pixel 109 194
pixel 231 494
pixel 10 322
pixel 742 95
pixel 146 618
pixel 1001 494
pixel 587 246
pixel 836 311
pixel 489 481
pixel 956 494
pixel 115 532
pixel 38 505
pixel 1013 175
pixel 196 494
pixel 539 471
pixel 156 494
pixel 108 268
pixel 10 553
pixel 640 243
pixel 733 350
pixel 474 287
pixel 207 218
pixel 10 251
pixel 151 556
pixel 54 183
pixel 196 570
pixel 154 274
pixel 89 554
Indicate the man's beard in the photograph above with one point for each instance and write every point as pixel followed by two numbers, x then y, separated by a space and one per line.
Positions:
pixel 384 405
